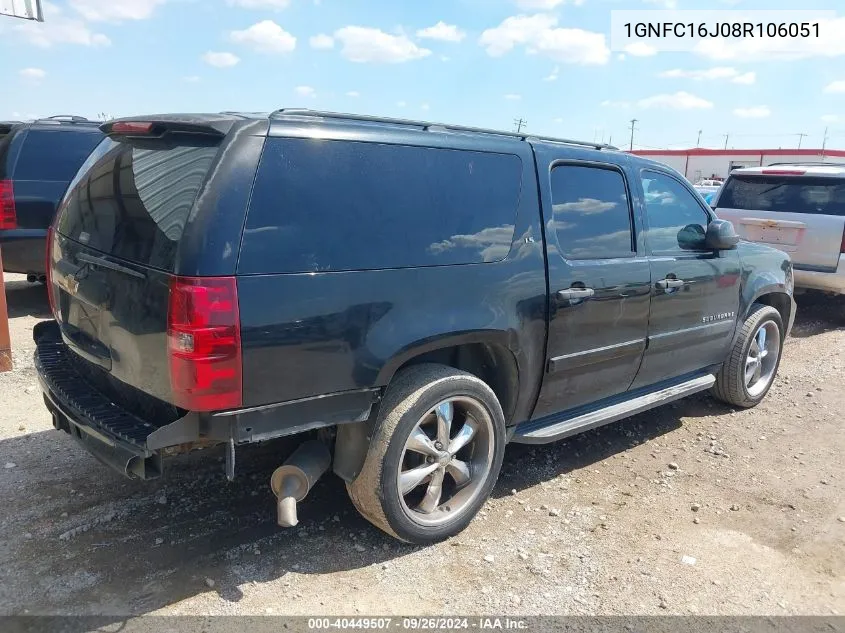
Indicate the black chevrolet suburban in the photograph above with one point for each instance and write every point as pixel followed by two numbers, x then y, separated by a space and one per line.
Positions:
pixel 37 161
pixel 409 297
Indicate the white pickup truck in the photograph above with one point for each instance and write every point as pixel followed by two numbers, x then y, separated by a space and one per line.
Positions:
pixel 798 208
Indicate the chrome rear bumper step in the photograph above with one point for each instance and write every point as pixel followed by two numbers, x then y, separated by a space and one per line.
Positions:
pixel 558 427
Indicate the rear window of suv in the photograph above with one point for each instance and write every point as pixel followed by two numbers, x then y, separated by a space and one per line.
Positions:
pixel 341 205
pixel 785 194
pixel 49 155
pixel 132 202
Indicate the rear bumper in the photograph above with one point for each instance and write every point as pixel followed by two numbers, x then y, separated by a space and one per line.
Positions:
pixel 24 250
pixel 833 281
pixel 115 436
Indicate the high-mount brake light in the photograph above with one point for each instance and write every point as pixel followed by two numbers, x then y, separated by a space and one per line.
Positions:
pixel 132 127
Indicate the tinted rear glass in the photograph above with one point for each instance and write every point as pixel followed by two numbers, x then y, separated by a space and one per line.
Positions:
pixel 336 205
pixel 134 203
pixel 786 194
pixel 54 155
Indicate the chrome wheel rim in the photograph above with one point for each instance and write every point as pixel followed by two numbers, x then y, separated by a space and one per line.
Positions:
pixel 762 359
pixel 446 461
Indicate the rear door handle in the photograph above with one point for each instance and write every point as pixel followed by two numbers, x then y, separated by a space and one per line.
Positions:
pixel 670 284
pixel 575 294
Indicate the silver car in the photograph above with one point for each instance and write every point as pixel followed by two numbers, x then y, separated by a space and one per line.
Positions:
pixel 798 208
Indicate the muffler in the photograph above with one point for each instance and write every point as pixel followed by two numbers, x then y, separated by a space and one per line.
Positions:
pixel 293 480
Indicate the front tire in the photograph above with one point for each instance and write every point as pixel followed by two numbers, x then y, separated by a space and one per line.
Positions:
pixel 435 455
pixel 748 373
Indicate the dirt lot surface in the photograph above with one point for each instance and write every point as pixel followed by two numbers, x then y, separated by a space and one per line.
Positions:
pixel 692 508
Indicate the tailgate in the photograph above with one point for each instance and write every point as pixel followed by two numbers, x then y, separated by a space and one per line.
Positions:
pixel 112 260
pixel 803 216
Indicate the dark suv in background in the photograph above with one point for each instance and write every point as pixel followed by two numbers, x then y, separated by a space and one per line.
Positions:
pixel 37 161
pixel 408 296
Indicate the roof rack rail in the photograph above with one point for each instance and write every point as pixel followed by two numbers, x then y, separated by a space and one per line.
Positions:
pixel 429 127
pixel 70 118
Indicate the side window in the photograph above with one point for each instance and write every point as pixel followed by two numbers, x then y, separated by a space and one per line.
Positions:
pixel 54 156
pixel 676 221
pixel 340 205
pixel 592 217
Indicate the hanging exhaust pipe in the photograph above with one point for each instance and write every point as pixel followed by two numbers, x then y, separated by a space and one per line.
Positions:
pixel 293 480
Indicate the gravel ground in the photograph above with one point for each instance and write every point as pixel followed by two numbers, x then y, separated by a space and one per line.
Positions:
pixel 692 508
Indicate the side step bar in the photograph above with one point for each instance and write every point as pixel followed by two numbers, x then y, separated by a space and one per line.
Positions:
pixel 556 428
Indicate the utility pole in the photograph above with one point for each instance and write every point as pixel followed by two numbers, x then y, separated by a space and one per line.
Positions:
pixel 801 136
pixel 698 142
pixel 633 129
pixel 727 136
pixel 824 143
pixel 519 123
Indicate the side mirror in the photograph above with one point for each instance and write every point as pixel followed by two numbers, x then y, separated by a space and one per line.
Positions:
pixel 721 236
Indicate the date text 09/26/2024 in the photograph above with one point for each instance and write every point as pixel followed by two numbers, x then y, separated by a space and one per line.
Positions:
pixel 419 624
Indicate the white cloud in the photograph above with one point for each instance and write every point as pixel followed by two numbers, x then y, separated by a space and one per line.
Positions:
pixel 59 29
pixel 275 5
pixel 615 104
pixel 443 32
pixel 34 75
pixel 709 74
pixel 191 79
pixel 830 43
pixel 830 118
pixel 401 104
pixel 353 93
pixel 115 10
pixel 756 112
pixel 543 5
pixel 666 4
pixel 321 41
pixel 305 91
pixel 538 35
pixel 425 106
pixel 265 37
pixel 552 76
pixel 745 78
pixel 640 49
pixel 220 60
pixel 513 97
pixel 367 45
pixel 835 87
pixel 677 101
pixel 518 29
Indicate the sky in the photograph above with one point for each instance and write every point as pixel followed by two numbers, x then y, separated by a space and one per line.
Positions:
pixel 473 62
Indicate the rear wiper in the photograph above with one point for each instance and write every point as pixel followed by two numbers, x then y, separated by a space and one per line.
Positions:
pixel 105 263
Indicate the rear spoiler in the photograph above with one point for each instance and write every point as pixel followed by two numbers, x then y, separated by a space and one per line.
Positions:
pixel 212 127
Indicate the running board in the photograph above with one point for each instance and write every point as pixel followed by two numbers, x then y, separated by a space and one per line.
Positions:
pixel 554 429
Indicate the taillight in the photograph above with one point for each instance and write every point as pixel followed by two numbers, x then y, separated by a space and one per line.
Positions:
pixel 8 214
pixel 49 272
pixel 204 343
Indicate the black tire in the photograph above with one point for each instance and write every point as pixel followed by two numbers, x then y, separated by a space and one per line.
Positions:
pixel 412 393
pixel 730 384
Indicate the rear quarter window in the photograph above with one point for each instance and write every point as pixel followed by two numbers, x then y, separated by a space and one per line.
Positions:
pixel 785 194
pixel 337 205
pixel 54 155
